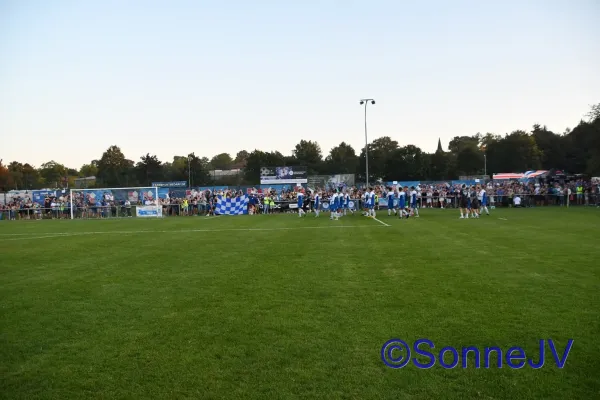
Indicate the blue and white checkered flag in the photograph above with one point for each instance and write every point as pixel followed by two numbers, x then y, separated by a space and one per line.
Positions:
pixel 232 206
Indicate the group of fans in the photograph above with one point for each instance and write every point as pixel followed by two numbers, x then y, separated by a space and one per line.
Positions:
pixel 401 201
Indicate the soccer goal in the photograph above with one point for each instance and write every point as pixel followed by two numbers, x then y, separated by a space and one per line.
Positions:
pixel 115 203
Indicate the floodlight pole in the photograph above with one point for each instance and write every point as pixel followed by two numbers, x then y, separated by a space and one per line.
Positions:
pixel 366 102
pixel 190 173
pixel 484 164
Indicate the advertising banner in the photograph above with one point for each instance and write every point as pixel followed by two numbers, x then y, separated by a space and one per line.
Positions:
pixel 170 184
pixel 148 211
pixel 283 175
pixel 332 181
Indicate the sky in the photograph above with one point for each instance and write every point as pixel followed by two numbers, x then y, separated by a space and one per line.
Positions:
pixel 170 78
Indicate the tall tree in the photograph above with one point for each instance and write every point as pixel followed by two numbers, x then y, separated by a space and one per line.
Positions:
pixel 460 142
pixel 53 174
pixel 516 152
pixel 407 163
pixel 241 156
pixel 149 169
pixel 470 160
pixel 308 153
pixel 259 159
pixel 380 151
pixel 6 182
pixel 552 147
pixel 31 177
pixel 15 170
pixel 114 169
pixel 342 159
pixel 88 170
pixel 198 169
pixel 221 161
pixel 438 164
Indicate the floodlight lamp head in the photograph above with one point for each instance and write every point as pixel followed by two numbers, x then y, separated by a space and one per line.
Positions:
pixel 372 101
pixel 362 102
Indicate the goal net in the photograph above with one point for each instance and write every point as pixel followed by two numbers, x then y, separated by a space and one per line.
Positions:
pixel 115 203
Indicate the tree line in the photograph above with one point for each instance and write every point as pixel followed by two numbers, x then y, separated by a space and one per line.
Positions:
pixel 575 151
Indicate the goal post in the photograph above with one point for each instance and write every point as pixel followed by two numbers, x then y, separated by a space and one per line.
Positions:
pixel 141 202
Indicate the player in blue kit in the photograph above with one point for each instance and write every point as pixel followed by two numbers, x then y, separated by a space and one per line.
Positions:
pixel 345 202
pixel 333 206
pixel 402 203
pixel 390 198
pixel 413 201
pixel 340 204
pixel 317 204
pixel 372 203
pixel 301 211
pixel 365 203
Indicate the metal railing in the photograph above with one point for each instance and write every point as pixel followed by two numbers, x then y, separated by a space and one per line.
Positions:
pixel 8 213
pixel 527 200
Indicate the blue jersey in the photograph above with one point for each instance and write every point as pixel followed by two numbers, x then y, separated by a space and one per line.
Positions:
pixel 333 204
pixel 401 200
pixel 413 199
pixel 372 200
pixel 300 200
pixel 390 198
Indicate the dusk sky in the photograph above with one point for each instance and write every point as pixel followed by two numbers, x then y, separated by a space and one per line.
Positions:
pixel 169 78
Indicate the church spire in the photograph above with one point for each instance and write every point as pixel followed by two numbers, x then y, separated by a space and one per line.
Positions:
pixel 439 146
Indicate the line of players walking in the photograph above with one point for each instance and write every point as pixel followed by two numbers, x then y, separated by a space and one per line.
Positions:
pixel 402 202
pixel 472 201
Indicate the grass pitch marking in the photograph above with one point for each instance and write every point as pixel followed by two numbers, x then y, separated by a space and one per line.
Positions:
pixel 503 219
pixel 381 222
pixel 23 236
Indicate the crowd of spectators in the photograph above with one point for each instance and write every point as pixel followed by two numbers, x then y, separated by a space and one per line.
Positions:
pixel 198 203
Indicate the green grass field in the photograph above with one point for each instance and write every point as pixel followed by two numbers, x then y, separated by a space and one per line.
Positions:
pixel 278 307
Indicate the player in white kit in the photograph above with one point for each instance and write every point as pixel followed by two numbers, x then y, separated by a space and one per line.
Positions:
pixel 483 200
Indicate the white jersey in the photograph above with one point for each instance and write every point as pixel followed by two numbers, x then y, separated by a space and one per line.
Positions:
pixel 413 196
pixel 334 198
pixel 481 194
pixel 372 197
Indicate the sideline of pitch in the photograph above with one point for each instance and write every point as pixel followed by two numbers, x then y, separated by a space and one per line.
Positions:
pixel 72 234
